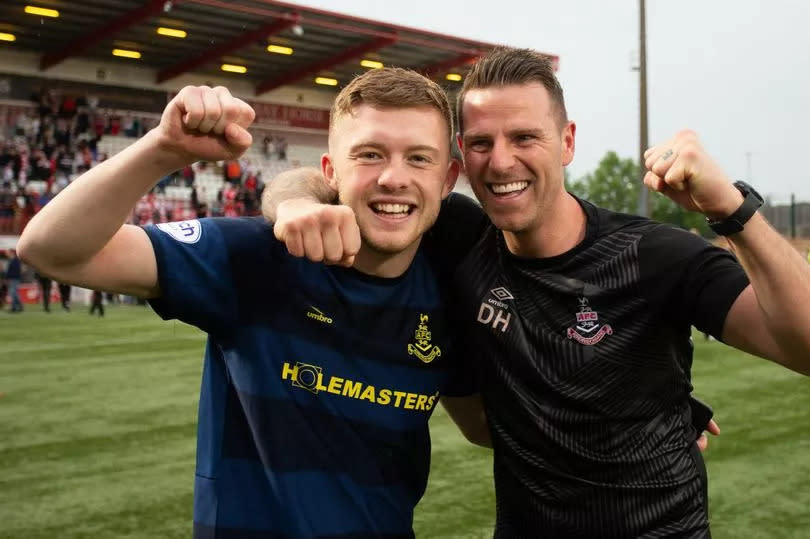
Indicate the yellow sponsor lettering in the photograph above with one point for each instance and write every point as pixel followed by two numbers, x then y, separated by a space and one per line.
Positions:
pixel 352 389
pixel 398 395
pixel 311 378
pixel 430 402
pixel 368 394
pixel 319 385
pixel 289 371
pixel 334 385
pixel 384 397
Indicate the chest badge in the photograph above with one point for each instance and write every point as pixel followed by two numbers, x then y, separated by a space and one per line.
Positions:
pixel 422 348
pixel 588 330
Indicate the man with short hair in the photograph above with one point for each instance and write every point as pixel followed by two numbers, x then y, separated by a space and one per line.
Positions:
pixel 318 381
pixel 580 318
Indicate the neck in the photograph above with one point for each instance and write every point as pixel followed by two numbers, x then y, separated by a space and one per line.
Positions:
pixel 381 264
pixel 561 229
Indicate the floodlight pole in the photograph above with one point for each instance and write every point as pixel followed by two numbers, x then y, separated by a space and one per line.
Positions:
pixel 643 143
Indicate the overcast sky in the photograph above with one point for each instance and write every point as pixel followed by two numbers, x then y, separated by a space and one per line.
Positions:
pixel 737 72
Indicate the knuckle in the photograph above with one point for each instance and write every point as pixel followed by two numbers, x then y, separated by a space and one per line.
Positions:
pixel 690 152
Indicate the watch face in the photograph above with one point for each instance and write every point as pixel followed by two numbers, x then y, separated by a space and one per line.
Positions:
pixel 746 188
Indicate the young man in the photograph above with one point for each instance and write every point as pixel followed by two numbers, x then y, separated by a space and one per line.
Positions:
pixel 581 317
pixel 318 381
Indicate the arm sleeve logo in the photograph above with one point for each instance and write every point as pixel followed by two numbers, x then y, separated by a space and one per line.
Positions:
pixel 183 231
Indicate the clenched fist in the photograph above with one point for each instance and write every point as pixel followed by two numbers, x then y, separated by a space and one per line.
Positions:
pixel 682 170
pixel 319 232
pixel 205 124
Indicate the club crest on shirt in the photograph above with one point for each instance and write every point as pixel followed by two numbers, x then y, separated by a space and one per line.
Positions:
pixel 183 231
pixel 422 348
pixel 588 330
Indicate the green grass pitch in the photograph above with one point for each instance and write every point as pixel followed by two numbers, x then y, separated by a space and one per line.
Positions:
pixel 98 421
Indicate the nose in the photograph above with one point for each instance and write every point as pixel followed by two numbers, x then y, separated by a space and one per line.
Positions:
pixel 501 157
pixel 394 176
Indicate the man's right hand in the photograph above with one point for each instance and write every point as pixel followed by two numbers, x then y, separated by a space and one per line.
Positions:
pixel 205 124
pixel 319 232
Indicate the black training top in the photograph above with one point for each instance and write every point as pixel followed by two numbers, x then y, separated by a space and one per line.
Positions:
pixel 584 363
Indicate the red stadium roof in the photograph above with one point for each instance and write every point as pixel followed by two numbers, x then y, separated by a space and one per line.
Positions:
pixel 234 32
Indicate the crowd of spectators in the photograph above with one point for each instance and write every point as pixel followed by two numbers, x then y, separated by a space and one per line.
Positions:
pixel 50 142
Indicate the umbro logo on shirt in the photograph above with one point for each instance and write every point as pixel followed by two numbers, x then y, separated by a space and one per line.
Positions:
pixel 494 312
pixel 318 315
pixel 501 293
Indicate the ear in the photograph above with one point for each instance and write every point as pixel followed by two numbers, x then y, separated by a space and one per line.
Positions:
pixel 328 170
pixel 568 143
pixel 453 169
pixel 460 143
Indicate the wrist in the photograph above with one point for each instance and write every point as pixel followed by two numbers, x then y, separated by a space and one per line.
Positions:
pixel 163 153
pixel 730 204
pixel 734 222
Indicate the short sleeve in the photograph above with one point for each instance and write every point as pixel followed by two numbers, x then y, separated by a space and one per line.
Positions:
pixel 700 281
pixel 198 264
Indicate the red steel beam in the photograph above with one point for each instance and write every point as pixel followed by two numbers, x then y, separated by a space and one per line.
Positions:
pixel 345 56
pixel 94 36
pixel 239 42
pixel 434 69
pixel 455 46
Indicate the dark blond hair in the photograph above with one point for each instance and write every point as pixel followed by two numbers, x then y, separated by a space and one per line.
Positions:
pixel 505 66
pixel 392 87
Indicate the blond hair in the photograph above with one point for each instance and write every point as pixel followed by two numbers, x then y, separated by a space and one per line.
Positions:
pixel 392 87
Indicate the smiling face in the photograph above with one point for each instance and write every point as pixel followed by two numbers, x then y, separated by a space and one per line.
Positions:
pixel 514 153
pixel 392 166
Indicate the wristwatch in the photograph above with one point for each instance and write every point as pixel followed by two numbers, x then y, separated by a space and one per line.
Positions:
pixel 736 221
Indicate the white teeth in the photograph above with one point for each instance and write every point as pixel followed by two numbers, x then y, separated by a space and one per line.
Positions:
pixel 500 188
pixel 392 208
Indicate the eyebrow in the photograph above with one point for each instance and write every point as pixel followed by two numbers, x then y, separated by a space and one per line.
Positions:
pixel 376 145
pixel 469 135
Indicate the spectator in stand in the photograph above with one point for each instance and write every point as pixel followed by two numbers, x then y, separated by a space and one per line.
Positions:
pixel 42 166
pixel 68 107
pixel 99 124
pixel 233 172
pixel 8 205
pixel 115 125
pixel 281 148
pixel 13 276
pixel 188 175
pixel 266 146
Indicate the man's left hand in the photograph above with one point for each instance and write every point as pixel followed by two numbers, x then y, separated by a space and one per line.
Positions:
pixel 682 170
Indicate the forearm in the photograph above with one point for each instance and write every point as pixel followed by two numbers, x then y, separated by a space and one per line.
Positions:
pixel 79 222
pixel 305 182
pixel 780 278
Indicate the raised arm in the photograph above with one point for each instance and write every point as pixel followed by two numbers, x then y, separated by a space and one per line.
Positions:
pixel 770 317
pixel 79 237
pixel 305 183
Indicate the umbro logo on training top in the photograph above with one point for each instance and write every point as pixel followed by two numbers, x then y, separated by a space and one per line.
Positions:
pixel 501 294
pixel 318 315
